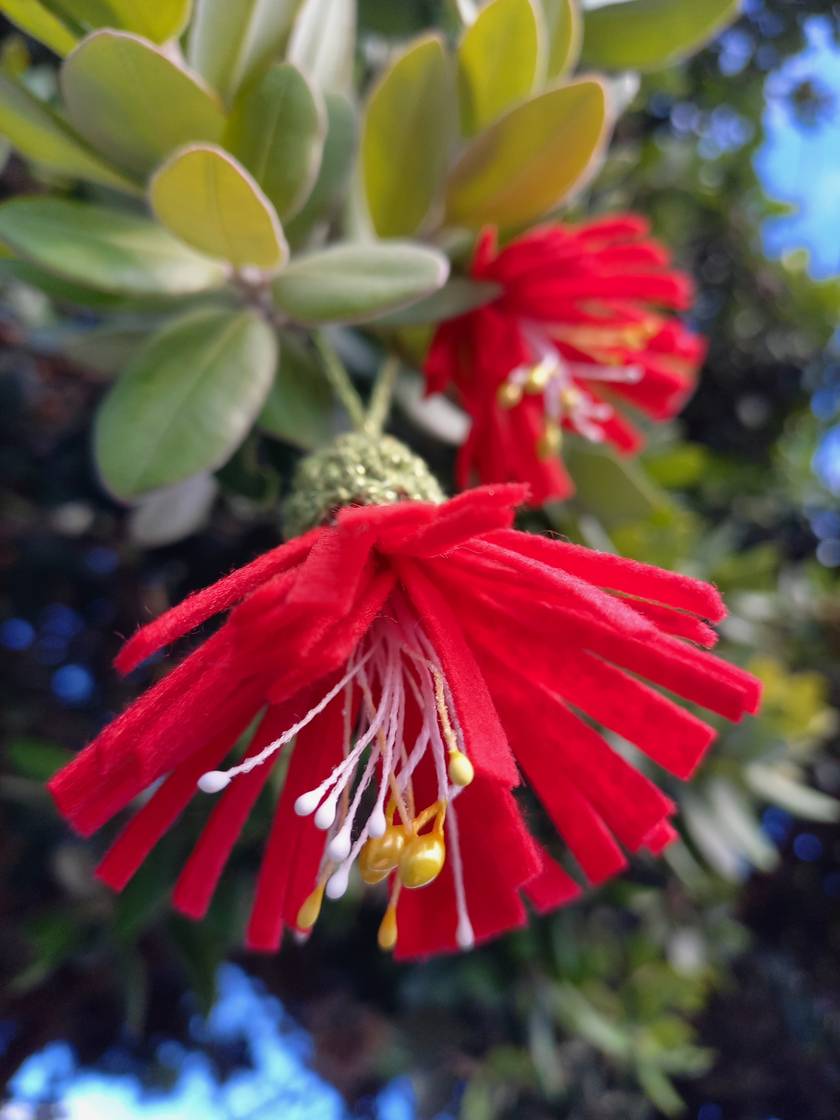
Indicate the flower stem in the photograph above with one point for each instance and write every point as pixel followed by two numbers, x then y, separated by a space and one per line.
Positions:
pixel 383 391
pixel 340 382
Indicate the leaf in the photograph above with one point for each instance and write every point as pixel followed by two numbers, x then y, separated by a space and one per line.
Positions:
pixel 529 160
pixel 36 759
pixel 323 43
pixel 207 199
pixel 38 21
pixel 799 799
pixel 736 821
pixel 107 349
pixel 564 36
pixel 456 297
pixel 186 402
pixel 613 488
pixel 336 164
pixel 41 135
pixel 230 42
pixel 354 282
pixel 104 248
pixel 172 514
pixel 277 131
pixel 158 20
pixel 299 407
pixel 133 103
pixel 648 34
pixel 497 61
pixel 406 136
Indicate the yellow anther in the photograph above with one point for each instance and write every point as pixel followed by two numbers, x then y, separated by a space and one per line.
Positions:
pixel 539 378
pixel 422 860
pixel 571 397
pixel 461 771
pixel 381 854
pixel 509 394
pixel 550 441
pixel 387 936
pixel 309 911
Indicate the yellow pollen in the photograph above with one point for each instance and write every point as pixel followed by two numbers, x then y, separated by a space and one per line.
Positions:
pixel 381 854
pixel 422 860
pixel 387 935
pixel 539 377
pixel 550 441
pixel 570 397
pixel 309 911
pixel 461 771
pixel 509 394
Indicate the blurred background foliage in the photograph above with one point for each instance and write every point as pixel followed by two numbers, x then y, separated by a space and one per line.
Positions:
pixel 706 983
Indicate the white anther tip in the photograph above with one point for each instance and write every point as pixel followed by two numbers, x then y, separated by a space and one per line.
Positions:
pixel 325 815
pixel 337 883
pixel 213 781
pixel 464 935
pixel 338 848
pixel 307 803
pixel 377 824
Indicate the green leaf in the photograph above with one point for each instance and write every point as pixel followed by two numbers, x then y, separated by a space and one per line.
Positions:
pixel 353 282
pixel 299 408
pixel 336 164
pixel 158 20
pixel 36 759
pixel 779 789
pixel 186 402
pixel 323 43
pixel 457 296
pixel 277 131
pixel 176 512
pixel 104 248
pixel 647 34
pixel 615 489
pixel 564 36
pixel 406 136
pixel 529 160
pixel 107 349
pixel 230 42
pixel 133 103
pixel 41 135
pixel 497 61
pixel 208 200
pixel 38 21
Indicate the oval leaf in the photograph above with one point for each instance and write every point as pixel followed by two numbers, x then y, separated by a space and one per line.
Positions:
pixel 158 20
pixel 529 160
pixel 323 43
pixel 186 402
pixel 105 249
pixel 133 103
pixel 277 131
pixel 497 61
pixel 336 164
pixel 647 34
pixel 406 135
pixel 42 136
pixel 564 36
pixel 38 21
pixel 353 282
pixel 300 405
pixel 230 41
pixel 208 200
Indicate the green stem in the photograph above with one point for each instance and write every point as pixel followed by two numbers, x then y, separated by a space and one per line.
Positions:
pixel 380 399
pixel 339 379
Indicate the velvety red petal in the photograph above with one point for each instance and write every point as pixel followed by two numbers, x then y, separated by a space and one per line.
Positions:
pixel 552 887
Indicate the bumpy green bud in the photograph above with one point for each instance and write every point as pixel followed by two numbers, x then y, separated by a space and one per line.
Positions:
pixel 356 470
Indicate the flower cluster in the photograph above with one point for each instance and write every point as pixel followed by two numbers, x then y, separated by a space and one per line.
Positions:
pixel 580 328
pixel 416 660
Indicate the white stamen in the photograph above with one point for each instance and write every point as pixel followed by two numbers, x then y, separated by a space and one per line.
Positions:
pixel 213 781
pixel 338 848
pixel 377 824
pixel 338 882
pixel 326 813
pixel 464 934
pixel 464 931
pixel 308 802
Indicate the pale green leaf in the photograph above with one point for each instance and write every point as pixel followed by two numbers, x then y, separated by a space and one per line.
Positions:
pixel 406 136
pixel 158 20
pixel 186 402
pixel 128 99
pixel 456 297
pixel 323 43
pixel 300 406
pixel 647 34
pixel 529 160
pixel 564 36
pixel 103 248
pixel 231 41
pixel 38 21
pixel 779 789
pixel 336 165
pixel 353 282
pixel 41 135
pixel 277 129
pixel 497 61
pixel 207 199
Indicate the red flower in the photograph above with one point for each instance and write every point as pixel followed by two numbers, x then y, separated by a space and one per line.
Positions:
pixel 576 331
pixel 418 655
